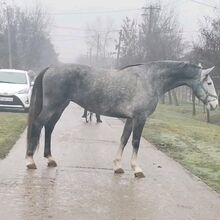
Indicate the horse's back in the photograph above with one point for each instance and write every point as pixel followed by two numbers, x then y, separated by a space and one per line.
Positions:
pixel 107 92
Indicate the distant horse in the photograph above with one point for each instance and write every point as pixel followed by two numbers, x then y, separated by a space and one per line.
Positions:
pixel 131 93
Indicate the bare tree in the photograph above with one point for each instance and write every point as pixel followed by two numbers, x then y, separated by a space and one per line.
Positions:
pixel 160 35
pixel 157 37
pixel 129 42
pixel 29 38
pixel 99 40
pixel 208 46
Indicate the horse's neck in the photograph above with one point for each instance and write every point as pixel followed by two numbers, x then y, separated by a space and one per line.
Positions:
pixel 168 80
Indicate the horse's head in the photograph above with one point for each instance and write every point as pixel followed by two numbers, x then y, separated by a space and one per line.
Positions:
pixel 204 89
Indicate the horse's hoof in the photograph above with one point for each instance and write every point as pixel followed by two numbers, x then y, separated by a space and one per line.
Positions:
pixel 31 166
pixel 139 175
pixel 119 171
pixel 99 121
pixel 52 163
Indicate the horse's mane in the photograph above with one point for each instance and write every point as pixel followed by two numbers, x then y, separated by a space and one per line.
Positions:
pixel 131 65
pixel 162 62
pixel 183 63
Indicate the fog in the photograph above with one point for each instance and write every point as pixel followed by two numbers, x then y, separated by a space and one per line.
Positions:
pixel 69 18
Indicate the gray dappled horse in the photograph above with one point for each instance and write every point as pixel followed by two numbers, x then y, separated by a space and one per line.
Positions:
pixel 131 93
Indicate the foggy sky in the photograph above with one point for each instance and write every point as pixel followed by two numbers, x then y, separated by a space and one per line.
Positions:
pixel 71 43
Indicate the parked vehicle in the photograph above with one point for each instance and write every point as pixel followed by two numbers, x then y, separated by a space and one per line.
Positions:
pixel 15 89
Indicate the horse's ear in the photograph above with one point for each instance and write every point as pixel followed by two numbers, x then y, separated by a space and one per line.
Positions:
pixel 200 65
pixel 205 73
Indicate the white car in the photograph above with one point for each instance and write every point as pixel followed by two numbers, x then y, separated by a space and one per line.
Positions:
pixel 15 89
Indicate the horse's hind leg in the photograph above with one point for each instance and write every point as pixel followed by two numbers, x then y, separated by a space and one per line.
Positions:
pixel 124 139
pixel 86 116
pixel 98 118
pixel 138 125
pixel 90 116
pixel 43 118
pixel 33 141
pixel 48 131
pixel 84 113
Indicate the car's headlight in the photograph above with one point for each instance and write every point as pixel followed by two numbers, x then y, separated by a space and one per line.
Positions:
pixel 23 91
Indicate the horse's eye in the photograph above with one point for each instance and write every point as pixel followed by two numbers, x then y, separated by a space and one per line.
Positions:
pixel 209 83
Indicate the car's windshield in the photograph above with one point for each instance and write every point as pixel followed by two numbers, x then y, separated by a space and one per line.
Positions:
pixel 13 77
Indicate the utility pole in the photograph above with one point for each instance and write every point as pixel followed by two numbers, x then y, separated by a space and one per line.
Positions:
pixel 151 8
pixel 9 38
pixel 148 55
pixel 97 49
pixel 119 48
pixel 90 56
pixel 150 15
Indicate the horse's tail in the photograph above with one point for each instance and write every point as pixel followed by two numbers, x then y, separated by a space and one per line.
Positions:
pixel 35 108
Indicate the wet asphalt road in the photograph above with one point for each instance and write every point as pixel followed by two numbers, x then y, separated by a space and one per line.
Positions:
pixel 83 186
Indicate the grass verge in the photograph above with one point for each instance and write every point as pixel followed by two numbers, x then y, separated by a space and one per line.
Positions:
pixel 11 126
pixel 189 140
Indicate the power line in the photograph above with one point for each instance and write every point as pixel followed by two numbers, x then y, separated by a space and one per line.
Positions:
pixel 171 3
pixel 204 4
pixel 65 35
pixel 65 40
pixel 151 9
pixel 118 48
pixel 81 29
pixel 80 12
pixel 98 31
pixel 68 28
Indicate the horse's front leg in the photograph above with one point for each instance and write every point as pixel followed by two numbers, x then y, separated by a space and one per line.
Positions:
pixel 124 139
pixel 138 125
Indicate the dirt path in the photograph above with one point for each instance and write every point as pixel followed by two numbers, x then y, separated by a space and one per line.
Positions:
pixel 83 185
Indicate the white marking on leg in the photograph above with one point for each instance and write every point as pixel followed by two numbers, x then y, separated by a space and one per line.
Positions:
pixel 50 158
pixel 30 162
pixel 134 164
pixel 117 160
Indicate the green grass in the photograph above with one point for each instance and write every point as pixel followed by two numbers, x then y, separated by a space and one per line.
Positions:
pixel 11 126
pixel 189 140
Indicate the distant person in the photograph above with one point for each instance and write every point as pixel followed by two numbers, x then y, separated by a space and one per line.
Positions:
pixel 85 114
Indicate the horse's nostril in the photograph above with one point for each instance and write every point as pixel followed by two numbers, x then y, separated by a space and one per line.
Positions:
pixel 213 107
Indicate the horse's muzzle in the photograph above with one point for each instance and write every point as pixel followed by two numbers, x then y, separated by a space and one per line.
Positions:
pixel 212 105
